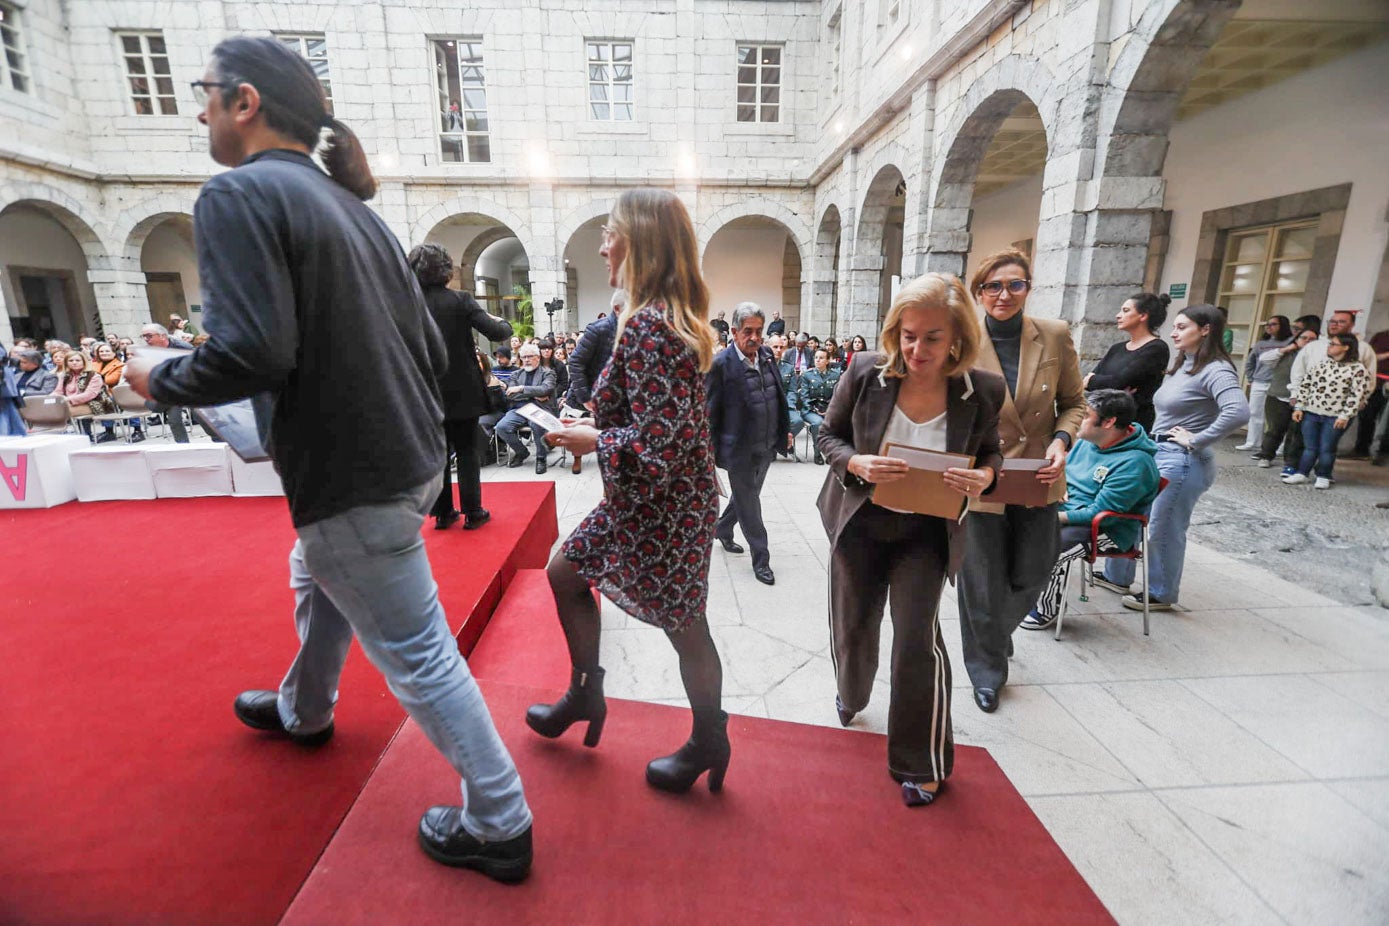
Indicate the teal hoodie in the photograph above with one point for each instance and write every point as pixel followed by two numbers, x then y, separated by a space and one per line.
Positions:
pixel 1123 477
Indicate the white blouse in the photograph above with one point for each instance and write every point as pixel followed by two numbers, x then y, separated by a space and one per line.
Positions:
pixel 928 435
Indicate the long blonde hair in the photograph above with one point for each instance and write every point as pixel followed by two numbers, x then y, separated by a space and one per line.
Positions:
pixel 662 265
pixel 932 291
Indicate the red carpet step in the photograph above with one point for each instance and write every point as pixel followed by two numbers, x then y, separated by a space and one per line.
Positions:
pixel 131 793
pixel 809 827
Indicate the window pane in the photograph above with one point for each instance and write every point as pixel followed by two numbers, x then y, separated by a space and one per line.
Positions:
pixel 157 45
pixel 771 75
pixel 1251 247
pixel 769 114
pixel 598 93
pixel 623 112
pixel 622 72
pixel 20 82
pixel 1298 242
pixel 476 122
pixel 747 113
pixel 1290 275
pixel 622 93
pixel 471 52
pixel 139 86
pixel 320 69
pixel 479 149
pixel 598 72
pixel 599 110
pixel 451 148
pixel 1240 279
pixel 747 94
pixel 164 87
pixel 143 107
pixel 746 54
pixel 771 94
pixel 1289 305
pixel 290 41
pixel 168 106
pixel 596 52
pixel 472 74
pixel 1239 341
pixel 771 55
pixel 135 65
pixel 622 52
pixel 159 65
pixel 317 48
pixel 474 99
pixel 130 44
pixel 16 60
pixel 1241 309
pixel 747 75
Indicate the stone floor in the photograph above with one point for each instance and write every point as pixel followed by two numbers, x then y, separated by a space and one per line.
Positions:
pixel 1233 767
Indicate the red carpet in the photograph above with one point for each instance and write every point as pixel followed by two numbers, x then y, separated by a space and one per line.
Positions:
pixel 131 794
pixel 809 828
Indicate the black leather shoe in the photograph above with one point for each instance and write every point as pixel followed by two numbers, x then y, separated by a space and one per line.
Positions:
pixel 706 750
pixel 541 466
pixel 105 438
pixel 476 519
pixel 764 575
pixel 819 457
pixel 444 521
pixel 443 838
pixel 519 459
pixel 846 716
pixel 987 699
pixel 731 546
pixel 259 710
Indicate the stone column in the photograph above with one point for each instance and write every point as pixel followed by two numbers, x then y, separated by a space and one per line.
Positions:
pixel 121 300
pixel 549 280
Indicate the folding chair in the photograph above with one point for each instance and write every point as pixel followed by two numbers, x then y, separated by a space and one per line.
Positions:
pixel 132 405
pixel 1102 546
pixel 45 413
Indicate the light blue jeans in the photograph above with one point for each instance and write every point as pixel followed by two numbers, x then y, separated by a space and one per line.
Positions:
pixel 1188 477
pixel 365 572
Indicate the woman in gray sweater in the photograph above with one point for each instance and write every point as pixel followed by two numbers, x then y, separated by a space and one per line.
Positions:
pixel 1198 403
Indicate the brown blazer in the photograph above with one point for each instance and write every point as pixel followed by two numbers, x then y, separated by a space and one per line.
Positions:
pixel 858 417
pixel 1049 397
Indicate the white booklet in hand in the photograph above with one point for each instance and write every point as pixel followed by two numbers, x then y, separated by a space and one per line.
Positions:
pixel 537 415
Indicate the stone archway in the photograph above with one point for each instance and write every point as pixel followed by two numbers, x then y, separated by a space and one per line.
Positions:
pixel 47 255
pixel 489 258
pixel 754 258
pixel 824 287
pixel 877 260
pixel 161 247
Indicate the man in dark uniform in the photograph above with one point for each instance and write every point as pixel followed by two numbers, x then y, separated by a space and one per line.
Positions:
pixel 790 384
pixel 816 388
pixel 749 423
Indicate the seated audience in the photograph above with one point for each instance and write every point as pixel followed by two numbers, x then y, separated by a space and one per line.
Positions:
pixel 81 385
pixel 34 378
pixel 112 370
pixel 816 388
pixel 532 383
pixel 1110 468
pixel 503 366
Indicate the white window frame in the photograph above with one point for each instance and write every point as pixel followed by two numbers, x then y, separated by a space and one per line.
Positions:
pixel 19 79
pixel 442 99
pixel 836 53
pixel 759 85
pixel 150 76
pixel 611 83
pixel 890 13
pixel 299 41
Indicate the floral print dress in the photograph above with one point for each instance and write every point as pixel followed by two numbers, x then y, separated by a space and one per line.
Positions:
pixel 647 544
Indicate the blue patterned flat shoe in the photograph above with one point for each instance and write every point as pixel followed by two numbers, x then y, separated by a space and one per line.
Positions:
pixel 914 795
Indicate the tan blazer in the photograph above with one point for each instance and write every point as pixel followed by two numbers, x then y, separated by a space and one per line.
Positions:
pixel 1049 397
pixel 858 417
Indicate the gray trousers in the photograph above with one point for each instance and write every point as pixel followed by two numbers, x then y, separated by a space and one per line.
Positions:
pixel 883 557
pixel 745 507
pixel 1008 558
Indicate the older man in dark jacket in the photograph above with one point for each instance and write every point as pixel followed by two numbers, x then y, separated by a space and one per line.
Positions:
pixel 532 383
pixel 749 422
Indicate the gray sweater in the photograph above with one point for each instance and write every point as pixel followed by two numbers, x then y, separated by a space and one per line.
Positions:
pixel 1209 404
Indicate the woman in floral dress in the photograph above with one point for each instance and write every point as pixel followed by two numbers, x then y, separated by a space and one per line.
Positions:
pixel 646 546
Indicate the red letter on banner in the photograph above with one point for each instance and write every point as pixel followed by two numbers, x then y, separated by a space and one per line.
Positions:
pixel 17 477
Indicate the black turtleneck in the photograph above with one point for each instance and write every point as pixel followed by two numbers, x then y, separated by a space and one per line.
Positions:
pixel 1007 338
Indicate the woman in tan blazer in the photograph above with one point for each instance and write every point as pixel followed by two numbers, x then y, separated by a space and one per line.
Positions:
pixel 1010 549
pixel 919 391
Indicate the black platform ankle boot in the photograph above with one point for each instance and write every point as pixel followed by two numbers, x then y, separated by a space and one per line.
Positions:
pixel 583 701
pixel 706 750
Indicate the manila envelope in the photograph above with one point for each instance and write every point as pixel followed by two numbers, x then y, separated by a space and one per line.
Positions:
pixel 923 489
pixel 1018 485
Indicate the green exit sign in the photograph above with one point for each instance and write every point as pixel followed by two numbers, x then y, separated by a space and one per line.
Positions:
pixel 1177 290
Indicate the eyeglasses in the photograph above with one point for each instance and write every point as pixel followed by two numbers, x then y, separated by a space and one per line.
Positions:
pixel 200 88
pixel 609 233
pixel 147 337
pixel 1015 287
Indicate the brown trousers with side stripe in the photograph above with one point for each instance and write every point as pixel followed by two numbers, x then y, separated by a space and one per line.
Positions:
pixel 885 558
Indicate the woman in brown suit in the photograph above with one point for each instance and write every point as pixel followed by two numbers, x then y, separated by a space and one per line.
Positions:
pixel 918 391
pixel 1011 549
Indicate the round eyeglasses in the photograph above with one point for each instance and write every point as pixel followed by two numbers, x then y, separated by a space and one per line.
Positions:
pixel 1015 287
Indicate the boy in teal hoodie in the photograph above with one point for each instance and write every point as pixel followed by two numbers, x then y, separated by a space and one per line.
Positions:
pixel 1110 468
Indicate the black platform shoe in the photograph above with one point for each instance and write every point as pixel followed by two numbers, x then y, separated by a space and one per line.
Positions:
pixel 706 750
pixel 444 839
pixel 583 701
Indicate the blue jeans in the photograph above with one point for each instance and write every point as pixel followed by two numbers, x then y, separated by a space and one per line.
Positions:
pixel 1319 438
pixel 813 422
pixel 365 572
pixel 1188 475
pixel 514 421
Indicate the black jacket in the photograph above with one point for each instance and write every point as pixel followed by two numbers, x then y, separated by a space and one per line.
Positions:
pixel 458 315
pixel 591 354
pixel 311 307
pixel 727 402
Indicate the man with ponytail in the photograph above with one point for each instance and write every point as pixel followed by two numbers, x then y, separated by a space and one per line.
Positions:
pixel 313 311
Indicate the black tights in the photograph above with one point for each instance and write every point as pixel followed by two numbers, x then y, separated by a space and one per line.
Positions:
pixel 700 668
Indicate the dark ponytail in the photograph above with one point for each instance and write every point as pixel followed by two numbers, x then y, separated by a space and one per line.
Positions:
pixel 294 105
pixel 1153 306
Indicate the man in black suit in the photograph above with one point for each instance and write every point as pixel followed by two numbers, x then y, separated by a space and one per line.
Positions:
pixel 749 422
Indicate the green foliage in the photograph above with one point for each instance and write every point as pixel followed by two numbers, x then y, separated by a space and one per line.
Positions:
pixel 525 313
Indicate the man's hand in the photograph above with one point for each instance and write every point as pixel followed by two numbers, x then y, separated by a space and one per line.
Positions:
pixel 790 442
pixel 1056 463
pixel 137 373
pixel 1297 416
pixel 512 390
pixel 877 470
